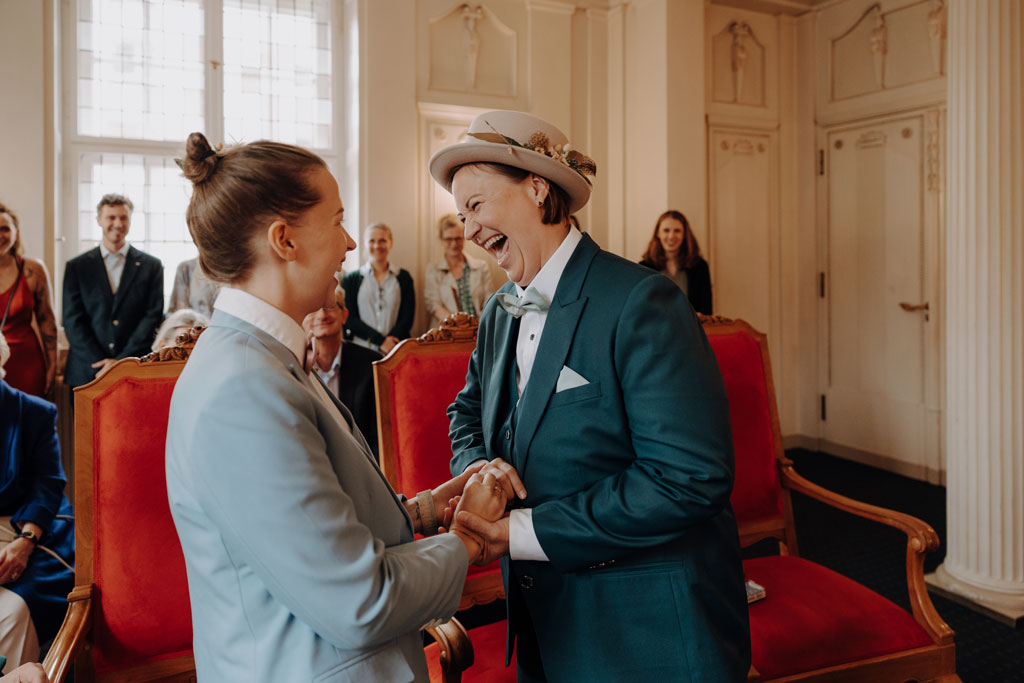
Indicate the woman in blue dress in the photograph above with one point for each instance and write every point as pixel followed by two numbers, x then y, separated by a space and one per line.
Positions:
pixel 37 529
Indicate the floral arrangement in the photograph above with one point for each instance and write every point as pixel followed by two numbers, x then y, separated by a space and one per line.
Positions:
pixel 540 143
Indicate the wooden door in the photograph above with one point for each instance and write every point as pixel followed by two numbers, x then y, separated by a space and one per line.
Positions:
pixel 879 401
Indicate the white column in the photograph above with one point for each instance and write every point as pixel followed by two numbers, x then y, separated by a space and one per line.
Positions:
pixel 984 413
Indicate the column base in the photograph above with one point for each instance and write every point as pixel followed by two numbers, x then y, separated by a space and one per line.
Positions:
pixel 1007 609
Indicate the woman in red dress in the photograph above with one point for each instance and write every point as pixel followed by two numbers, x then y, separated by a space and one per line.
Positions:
pixel 25 296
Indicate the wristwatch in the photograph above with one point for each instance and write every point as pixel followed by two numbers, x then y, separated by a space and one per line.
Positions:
pixel 30 536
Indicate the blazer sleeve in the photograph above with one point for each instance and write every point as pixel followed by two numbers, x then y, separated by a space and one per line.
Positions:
pixel 465 423
pixel 407 307
pixel 43 470
pixel 698 281
pixel 432 288
pixel 179 291
pixel 75 319
pixel 355 324
pixel 264 478
pixel 141 340
pixel 677 417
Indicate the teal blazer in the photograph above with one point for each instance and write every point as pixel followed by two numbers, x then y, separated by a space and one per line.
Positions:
pixel 628 477
pixel 300 558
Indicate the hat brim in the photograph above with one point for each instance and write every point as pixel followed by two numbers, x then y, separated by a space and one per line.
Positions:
pixel 445 161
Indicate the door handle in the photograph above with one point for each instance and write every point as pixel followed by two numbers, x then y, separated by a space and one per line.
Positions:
pixel 907 306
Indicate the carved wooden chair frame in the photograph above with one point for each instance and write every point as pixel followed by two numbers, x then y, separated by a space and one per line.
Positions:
pixel 936 662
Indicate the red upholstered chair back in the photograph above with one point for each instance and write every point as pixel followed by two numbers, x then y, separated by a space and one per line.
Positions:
pixel 760 503
pixel 127 546
pixel 415 384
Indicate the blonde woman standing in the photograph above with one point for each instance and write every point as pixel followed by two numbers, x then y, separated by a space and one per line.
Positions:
pixel 457 283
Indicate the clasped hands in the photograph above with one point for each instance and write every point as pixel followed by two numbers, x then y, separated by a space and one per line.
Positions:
pixel 478 514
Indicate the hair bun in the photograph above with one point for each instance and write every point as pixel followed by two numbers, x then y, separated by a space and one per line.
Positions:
pixel 200 159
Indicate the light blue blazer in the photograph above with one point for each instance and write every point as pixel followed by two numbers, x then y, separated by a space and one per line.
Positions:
pixel 300 560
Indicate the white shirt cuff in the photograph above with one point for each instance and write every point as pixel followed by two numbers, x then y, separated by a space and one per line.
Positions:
pixel 522 539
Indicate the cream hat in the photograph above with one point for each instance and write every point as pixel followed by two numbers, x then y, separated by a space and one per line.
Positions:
pixel 522 140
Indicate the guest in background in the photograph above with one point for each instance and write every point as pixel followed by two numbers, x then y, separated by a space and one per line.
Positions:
pixel 113 297
pixel 24 300
pixel 458 282
pixel 381 300
pixel 192 289
pixel 180 321
pixel 674 251
pixel 346 368
pixel 37 528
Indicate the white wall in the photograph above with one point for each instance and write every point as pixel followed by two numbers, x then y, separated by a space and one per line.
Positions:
pixel 25 175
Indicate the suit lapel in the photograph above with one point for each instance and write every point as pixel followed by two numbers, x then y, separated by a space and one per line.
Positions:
pixel 505 334
pixel 131 266
pixel 99 273
pixel 555 342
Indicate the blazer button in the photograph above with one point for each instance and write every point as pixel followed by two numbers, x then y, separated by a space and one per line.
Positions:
pixel 508 434
pixel 526 582
pixel 114 323
pixel 110 345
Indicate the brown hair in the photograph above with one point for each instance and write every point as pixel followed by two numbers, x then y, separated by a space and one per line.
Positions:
pixel 556 205
pixel 18 249
pixel 113 199
pixel 688 254
pixel 237 193
pixel 449 220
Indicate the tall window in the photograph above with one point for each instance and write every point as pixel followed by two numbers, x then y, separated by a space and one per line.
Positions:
pixel 143 74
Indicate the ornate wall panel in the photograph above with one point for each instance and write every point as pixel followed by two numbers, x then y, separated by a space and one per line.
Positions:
pixel 742 66
pixel 472 51
pixel 879 56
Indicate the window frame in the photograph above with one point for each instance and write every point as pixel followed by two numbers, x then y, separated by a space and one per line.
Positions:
pixel 72 145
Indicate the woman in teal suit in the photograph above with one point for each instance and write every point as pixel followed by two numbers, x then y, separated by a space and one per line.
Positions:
pixel 597 401
pixel 300 558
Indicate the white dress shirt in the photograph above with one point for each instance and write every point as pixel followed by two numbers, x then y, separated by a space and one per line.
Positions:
pixel 114 262
pixel 278 325
pixel 331 377
pixel 522 538
pixel 378 301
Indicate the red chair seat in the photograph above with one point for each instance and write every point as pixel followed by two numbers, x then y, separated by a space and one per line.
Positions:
pixel 488 657
pixel 813 617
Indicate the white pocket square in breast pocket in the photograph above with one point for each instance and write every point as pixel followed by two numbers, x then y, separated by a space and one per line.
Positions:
pixel 569 379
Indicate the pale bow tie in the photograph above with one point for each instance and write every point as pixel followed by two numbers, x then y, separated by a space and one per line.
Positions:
pixel 531 300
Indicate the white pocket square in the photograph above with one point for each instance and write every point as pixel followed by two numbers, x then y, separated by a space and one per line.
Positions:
pixel 569 379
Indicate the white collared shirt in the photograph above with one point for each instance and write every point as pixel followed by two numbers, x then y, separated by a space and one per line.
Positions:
pixel 378 301
pixel 531 325
pixel 522 538
pixel 114 266
pixel 280 326
pixel 331 377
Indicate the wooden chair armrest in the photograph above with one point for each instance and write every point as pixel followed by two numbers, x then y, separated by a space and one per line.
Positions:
pixel 921 540
pixel 71 635
pixel 455 648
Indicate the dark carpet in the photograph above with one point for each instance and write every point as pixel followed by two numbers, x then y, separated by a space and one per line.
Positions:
pixel 872 554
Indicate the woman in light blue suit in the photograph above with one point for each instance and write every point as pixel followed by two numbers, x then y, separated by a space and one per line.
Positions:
pixel 300 558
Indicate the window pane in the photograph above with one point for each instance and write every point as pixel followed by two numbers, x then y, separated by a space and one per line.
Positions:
pixel 160 194
pixel 277 71
pixel 140 68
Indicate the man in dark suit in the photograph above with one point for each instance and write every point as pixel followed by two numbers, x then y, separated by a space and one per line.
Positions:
pixel 113 297
pixel 595 397
pixel 345 367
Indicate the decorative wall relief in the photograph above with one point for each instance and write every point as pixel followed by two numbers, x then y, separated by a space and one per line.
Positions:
pixel 738 66
pixel 472 51
pixel 874 138
pixel 883 50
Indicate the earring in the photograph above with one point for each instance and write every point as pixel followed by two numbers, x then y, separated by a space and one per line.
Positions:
pixel 540 203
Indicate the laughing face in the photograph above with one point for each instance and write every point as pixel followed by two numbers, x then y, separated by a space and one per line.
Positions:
pixel 503 216
pixel 115 220
pixel 670 234
pixel 8 234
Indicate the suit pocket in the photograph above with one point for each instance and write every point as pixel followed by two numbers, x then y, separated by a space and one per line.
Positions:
pixel 592 390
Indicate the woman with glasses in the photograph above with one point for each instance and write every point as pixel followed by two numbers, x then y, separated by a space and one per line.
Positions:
pixel 456 283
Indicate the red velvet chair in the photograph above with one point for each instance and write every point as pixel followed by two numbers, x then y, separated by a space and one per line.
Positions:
pixel 815 624
pixel 415 384
pixel 129 617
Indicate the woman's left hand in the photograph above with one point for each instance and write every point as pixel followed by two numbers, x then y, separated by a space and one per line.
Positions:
pixel 14 559
pixel 452 488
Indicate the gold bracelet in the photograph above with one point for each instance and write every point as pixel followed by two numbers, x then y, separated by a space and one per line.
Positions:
pixel 425 510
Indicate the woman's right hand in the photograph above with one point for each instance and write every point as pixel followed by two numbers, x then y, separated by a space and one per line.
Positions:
pixel 485 497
